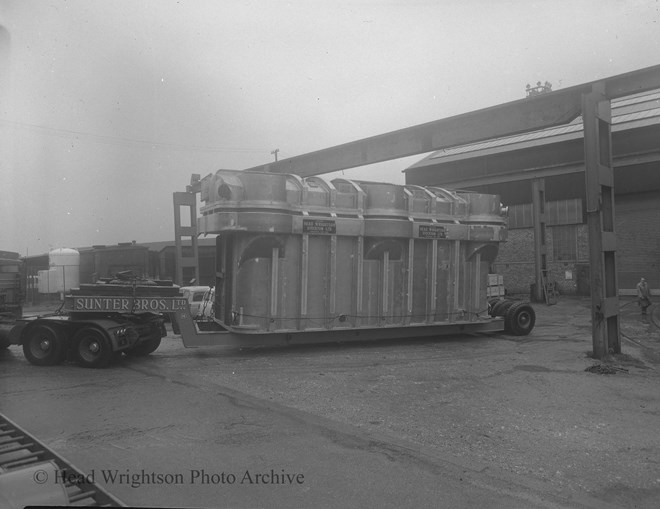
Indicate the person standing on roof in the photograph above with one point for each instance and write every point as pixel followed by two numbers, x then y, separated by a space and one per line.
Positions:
pixel 643 295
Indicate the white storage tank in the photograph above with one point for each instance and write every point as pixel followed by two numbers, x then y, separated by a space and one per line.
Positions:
pixel 64 269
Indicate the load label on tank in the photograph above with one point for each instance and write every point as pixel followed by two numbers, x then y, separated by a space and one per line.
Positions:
pixel 432 231
pixel 482 233
pixel 319 227
pixel 128 304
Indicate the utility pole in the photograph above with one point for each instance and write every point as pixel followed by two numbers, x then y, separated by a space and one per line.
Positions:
pixel 274 152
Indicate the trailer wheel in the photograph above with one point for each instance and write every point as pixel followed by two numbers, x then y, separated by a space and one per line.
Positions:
pixel 144 348
pixel 92 348
pixel 492 305
pixel 44 347
pixel 500 308
pixel 519 319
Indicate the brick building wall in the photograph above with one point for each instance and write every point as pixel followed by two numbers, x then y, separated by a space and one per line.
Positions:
pixel 638 251
pixel 515 262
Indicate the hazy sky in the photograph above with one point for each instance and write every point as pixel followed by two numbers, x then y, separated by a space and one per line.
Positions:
pixel 107 107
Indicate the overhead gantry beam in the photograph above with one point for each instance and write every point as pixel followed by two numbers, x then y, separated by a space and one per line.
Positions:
pixel 516 117
pixel 502 120
pixel 591 100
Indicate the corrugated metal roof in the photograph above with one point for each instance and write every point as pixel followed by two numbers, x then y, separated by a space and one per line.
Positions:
pixel 636 99
pixel 632 112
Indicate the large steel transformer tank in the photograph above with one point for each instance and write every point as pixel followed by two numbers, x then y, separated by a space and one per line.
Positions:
pixel 309 254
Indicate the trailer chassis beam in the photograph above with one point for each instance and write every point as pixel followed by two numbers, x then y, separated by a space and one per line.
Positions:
pixel 192 337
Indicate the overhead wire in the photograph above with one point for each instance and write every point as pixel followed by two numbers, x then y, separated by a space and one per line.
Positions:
pixel 125 141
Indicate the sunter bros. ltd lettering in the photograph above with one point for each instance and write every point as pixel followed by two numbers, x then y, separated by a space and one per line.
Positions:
pixel 127 304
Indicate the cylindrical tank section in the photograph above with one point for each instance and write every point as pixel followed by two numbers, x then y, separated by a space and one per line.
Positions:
pixel 63 273
pixel 312 254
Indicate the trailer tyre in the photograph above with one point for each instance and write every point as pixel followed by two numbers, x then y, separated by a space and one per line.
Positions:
pixel 492 305
pixel 519 319
pixel 144 348
pixel 500 308
pixel 43 346
pixel 92 348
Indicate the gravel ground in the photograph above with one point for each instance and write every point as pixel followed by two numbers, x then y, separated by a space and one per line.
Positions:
pixel 522 404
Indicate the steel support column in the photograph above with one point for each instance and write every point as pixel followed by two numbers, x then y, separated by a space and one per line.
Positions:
pixel 597 118
pixel 540 252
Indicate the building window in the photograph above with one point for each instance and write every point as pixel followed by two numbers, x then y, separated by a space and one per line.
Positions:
pixel 557 212
pixel 564 212
pixel 521 216
pixel 564 243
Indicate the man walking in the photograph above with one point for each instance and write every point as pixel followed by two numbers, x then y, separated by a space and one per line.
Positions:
pixel 643 295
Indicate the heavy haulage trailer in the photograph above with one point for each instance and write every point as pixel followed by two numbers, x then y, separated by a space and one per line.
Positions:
pixel 302 261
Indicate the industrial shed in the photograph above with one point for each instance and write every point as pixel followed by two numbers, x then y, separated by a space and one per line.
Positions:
pixel 507 166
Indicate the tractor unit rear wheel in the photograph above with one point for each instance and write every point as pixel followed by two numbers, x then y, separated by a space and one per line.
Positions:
pixel 43 346
pixel 519 319
pixel 144 348
pixel 92 348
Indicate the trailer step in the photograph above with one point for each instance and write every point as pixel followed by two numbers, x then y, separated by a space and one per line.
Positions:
pixel 29 473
